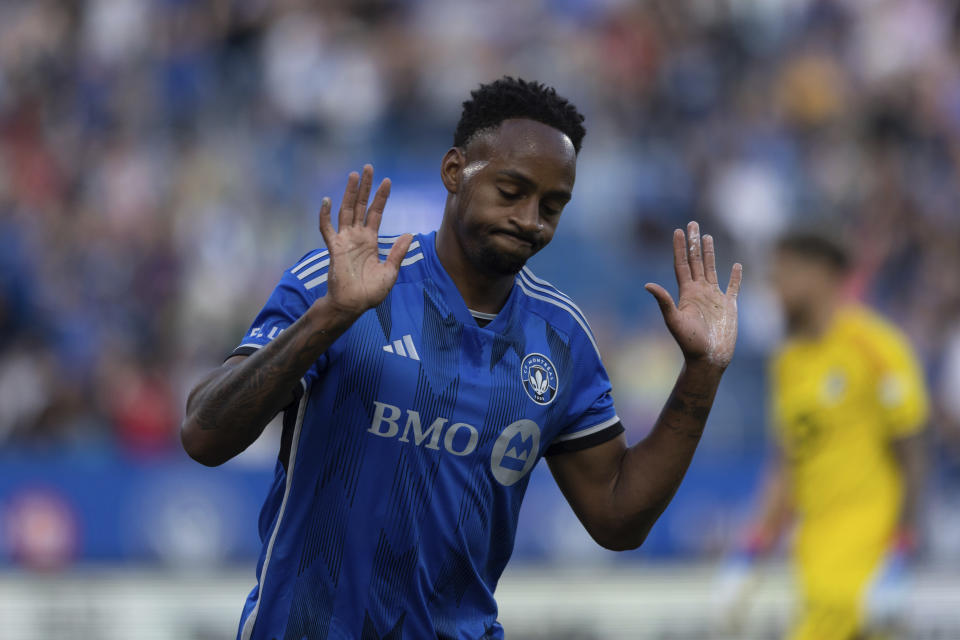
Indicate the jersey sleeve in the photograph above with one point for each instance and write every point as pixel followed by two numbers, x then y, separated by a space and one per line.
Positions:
pixel 901 391
pixel 298 288
pixel 591 418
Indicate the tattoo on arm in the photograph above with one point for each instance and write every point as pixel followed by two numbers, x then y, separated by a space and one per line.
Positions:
pixel 255 390
pixel 244 395
pixel 686 413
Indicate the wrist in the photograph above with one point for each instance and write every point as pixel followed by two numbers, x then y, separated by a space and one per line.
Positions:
pixel 325 316
pixel 704 368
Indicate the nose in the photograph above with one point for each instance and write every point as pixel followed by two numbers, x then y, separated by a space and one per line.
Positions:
pixel 527 215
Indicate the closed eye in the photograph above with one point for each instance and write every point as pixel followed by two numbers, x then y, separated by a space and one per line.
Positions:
pixel 507 195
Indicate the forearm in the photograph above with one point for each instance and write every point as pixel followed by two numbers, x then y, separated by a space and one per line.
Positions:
pixel 651 471
pixel 776 510
pixel 617 491
pixel 909 455
pixel 229 410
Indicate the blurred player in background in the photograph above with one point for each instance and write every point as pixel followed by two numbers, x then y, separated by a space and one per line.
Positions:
pixel 848 404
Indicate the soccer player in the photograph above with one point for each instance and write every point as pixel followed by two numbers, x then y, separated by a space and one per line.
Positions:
pixel 419 391
pixel 848 404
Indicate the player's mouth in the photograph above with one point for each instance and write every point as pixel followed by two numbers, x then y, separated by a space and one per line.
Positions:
pixel 517 240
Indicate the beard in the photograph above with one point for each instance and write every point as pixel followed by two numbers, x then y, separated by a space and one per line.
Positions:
pixel 488 254
pixel 797 319
pixel 494 260
pixel 497 258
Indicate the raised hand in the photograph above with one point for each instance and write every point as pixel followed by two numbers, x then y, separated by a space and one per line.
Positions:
pixel 357 279
pixel 704 321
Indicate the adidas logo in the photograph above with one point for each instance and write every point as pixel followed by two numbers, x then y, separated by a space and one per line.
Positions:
pixel 403 347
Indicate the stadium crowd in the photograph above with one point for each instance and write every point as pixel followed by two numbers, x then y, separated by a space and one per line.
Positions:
pixel 161 162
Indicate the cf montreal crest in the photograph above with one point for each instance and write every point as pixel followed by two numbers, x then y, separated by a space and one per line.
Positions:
pixel 539 378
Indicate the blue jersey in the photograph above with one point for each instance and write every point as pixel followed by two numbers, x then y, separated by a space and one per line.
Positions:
pixel 407 453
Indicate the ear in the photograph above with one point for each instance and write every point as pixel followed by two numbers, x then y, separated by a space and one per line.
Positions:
pixel 451 169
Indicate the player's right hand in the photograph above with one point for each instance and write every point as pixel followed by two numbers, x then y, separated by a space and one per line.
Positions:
pixel 357 279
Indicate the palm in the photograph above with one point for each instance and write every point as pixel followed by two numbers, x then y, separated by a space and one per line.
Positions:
pixel 358 280
pixel 704 321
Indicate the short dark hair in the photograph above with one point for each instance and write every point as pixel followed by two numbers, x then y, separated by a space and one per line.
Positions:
pixel 821 247
pixel 508 97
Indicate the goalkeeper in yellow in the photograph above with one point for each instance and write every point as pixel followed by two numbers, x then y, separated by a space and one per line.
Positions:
pixel 848 404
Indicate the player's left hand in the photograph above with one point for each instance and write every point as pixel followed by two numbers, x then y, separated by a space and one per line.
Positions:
pixel 704 321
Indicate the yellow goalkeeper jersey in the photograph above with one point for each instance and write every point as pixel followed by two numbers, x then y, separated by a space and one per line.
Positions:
pixel 837 403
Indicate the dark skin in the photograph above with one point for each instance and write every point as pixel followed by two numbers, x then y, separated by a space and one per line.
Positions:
pixel 506 192
pixel 229 409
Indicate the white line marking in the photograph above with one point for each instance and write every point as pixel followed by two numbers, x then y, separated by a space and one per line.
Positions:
pixel 563 306
pixel 411 349
pixel 320 265
pixel 251 619
pixel 312 283
pixel 309 260
pixel 586 432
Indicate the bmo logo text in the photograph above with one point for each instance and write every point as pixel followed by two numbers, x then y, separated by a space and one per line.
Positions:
pixel 514 454
pixel 459 438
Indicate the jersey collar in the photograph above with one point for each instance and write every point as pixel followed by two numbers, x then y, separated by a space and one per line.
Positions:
pixel 452 295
